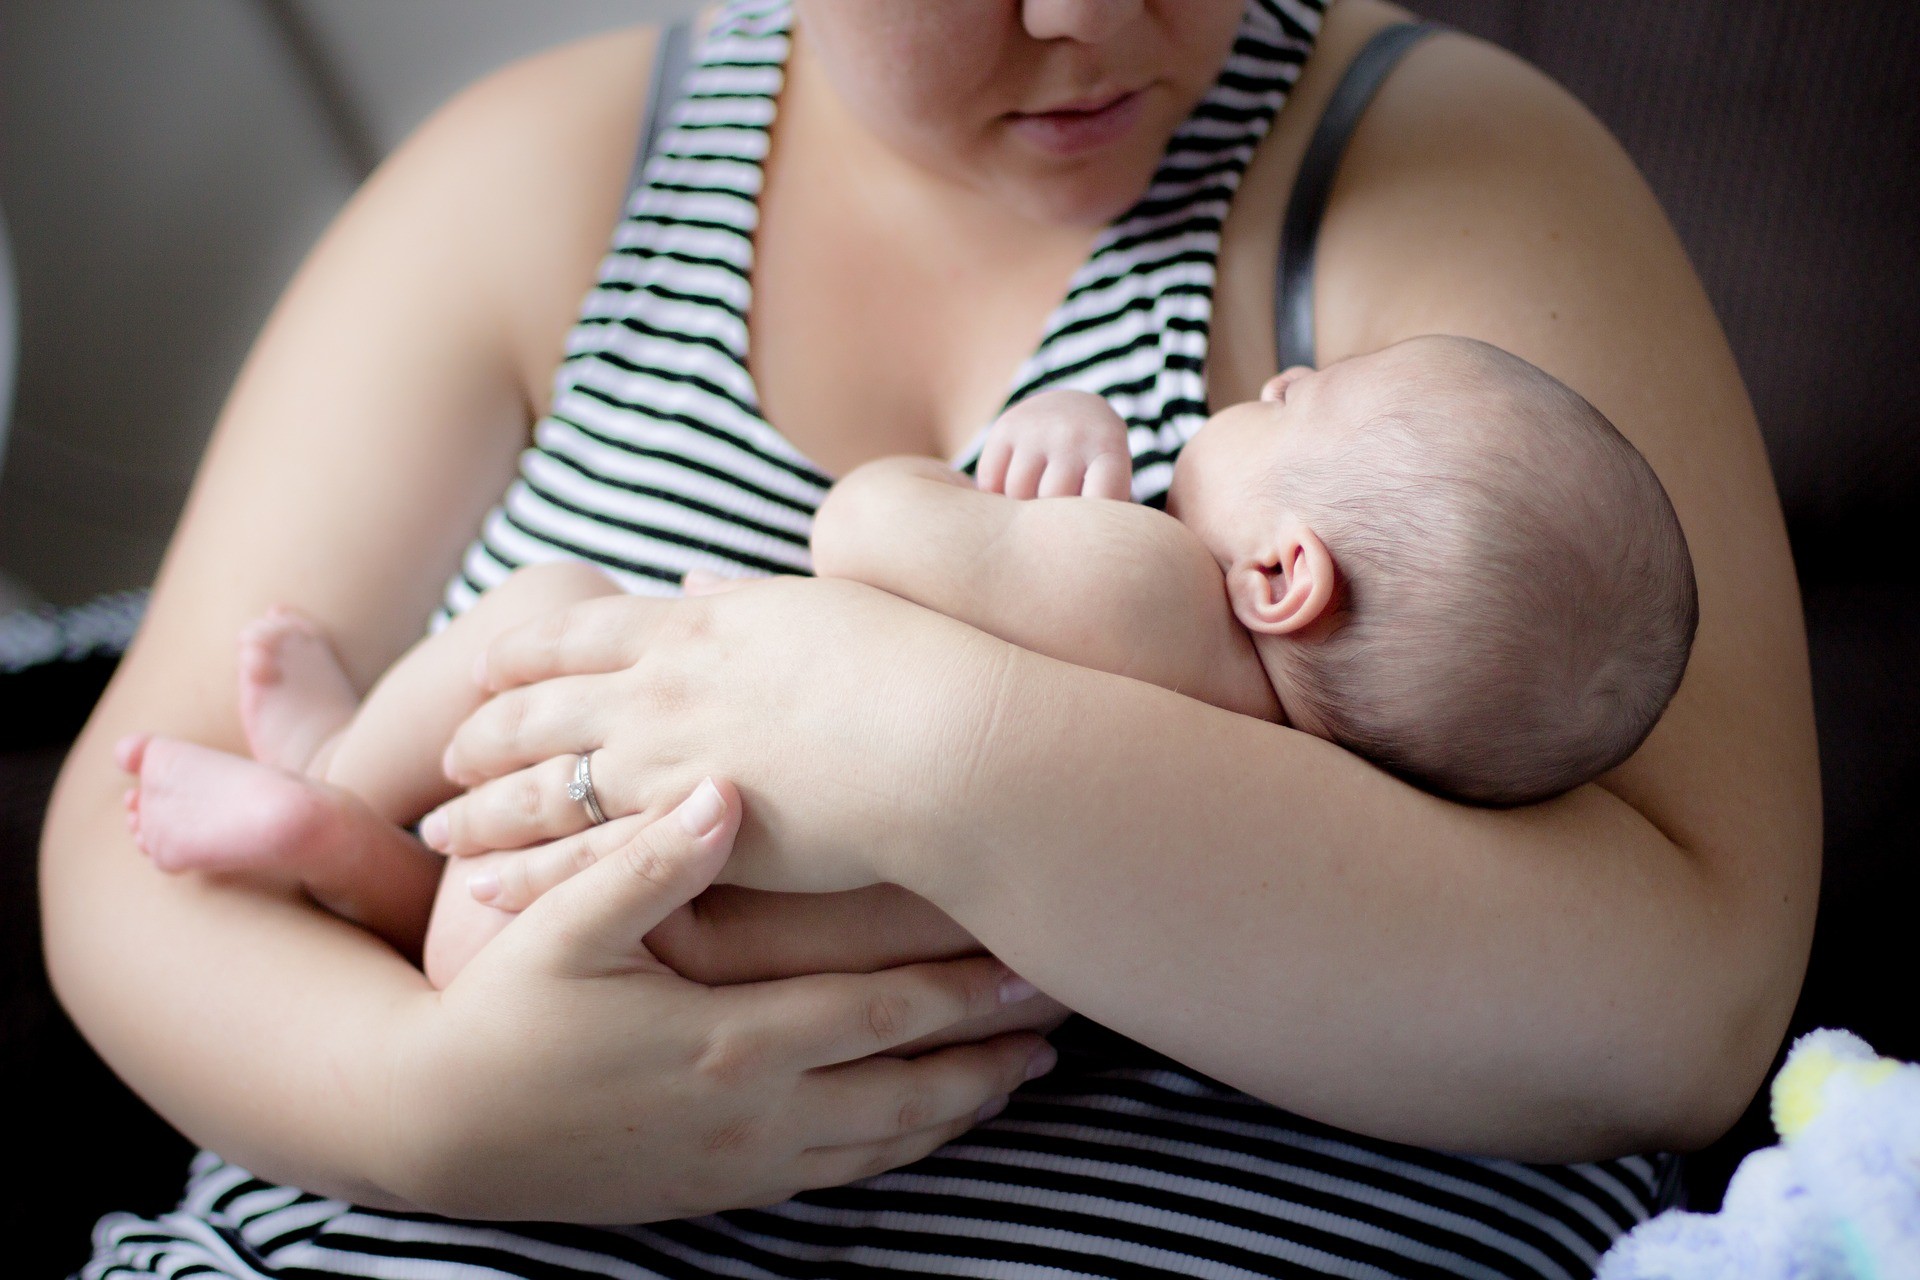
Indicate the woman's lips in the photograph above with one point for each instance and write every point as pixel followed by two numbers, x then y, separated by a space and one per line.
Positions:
pixel 1072 131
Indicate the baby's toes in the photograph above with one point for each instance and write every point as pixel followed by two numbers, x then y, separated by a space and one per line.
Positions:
pixel 130 751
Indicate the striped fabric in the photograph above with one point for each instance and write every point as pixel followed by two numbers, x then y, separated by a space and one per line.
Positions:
pixel 1121 1163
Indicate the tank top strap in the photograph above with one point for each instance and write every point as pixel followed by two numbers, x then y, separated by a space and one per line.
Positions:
pixel 671 57
pixel 1300 230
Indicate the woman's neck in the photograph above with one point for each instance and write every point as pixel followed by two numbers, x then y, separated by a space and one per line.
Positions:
pixel 891 190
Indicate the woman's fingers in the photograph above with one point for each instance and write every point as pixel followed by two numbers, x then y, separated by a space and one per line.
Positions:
pixel 517 811
pixel 838 1166
pixel 595 636
pixel 829 1018
pixel 597 921
pixel 955 1089
pixel 523 727
pixel 881 1099
pixel 747 935
pixel 515 881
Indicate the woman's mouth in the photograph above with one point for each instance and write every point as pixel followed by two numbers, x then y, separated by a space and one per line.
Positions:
pixel 1079 127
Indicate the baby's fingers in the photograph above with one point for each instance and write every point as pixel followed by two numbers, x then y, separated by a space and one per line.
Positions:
pixel 1109 475
pixel 515 881
pixel 991 475
pixel 1023 474
pixel 1063 477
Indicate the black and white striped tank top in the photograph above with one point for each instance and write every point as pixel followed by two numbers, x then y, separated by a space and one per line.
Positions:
pixel 655 459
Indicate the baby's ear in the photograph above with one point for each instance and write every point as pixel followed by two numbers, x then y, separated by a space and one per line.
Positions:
pixel 1287 586
pixel 1276 386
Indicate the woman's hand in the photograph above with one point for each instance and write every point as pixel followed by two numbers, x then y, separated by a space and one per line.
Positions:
pixel 532 1091
pixel 730 935
pixel 812 694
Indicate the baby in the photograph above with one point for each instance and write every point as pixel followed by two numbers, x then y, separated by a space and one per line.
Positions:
pixel 1435 555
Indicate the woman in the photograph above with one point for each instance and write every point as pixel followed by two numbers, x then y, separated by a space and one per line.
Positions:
pixel 1602 975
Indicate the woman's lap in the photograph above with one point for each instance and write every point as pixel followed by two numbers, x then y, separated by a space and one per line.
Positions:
pixel 1104 1168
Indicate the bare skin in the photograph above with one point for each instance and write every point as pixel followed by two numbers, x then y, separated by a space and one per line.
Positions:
pixel 334 778
pixel 1607 973
pixel 1702 848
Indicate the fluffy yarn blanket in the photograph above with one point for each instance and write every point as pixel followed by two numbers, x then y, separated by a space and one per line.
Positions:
pixel 1838 1199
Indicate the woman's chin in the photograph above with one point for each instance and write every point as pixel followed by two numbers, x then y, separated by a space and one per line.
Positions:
pixel 1075 203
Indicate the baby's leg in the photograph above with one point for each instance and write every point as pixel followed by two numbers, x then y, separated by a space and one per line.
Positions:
pixel 389 753
pixel 295 696
pixel 198 809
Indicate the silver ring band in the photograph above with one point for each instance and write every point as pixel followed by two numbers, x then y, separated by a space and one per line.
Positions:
pixel 581 789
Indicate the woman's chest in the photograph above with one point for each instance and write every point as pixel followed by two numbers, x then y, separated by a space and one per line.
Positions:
pixel 866 342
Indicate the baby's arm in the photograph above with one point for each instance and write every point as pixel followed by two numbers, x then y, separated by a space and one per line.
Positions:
pixel 1110 585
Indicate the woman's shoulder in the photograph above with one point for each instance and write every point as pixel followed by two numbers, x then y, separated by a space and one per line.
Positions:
pixel 560 123
pixel 526 169
pixel 1462 140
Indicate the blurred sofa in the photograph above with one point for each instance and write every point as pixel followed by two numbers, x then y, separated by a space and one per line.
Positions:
pixel 160 157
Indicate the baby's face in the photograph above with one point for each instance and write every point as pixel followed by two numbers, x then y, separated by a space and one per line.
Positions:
pixel 1215 489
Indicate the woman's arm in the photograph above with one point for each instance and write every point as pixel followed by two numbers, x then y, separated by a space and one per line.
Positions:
pixel 1609 971
pixel 1604 973
pixel 377 418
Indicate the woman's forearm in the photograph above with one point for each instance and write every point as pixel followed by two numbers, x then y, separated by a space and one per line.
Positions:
pixel 1552 983
pixel 211 999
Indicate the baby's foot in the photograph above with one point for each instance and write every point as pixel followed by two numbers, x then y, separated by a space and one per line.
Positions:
pixel 294 695
pixel 197 809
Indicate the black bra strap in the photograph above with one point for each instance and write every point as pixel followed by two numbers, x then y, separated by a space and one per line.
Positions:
pixel 1293 290
pixel 670 61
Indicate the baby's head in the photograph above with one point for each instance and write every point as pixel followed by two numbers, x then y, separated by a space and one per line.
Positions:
pixel 1449 563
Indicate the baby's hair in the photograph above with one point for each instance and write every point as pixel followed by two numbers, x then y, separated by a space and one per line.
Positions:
pixel 1518 602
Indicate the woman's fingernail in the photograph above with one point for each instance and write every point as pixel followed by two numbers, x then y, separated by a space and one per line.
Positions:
pixel 1043 1060
pixel 484 886
pixel 990 1109
pixel 1014 989
pixel 433 831
pixel 701 812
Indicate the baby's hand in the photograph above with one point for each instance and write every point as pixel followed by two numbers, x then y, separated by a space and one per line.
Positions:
pixel 1058 444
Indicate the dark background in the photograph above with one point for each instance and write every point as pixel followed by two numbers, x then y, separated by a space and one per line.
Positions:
pixel 1784 141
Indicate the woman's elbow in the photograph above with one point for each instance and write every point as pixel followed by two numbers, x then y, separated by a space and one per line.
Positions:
pixel 1720 1054
pixel 64 874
